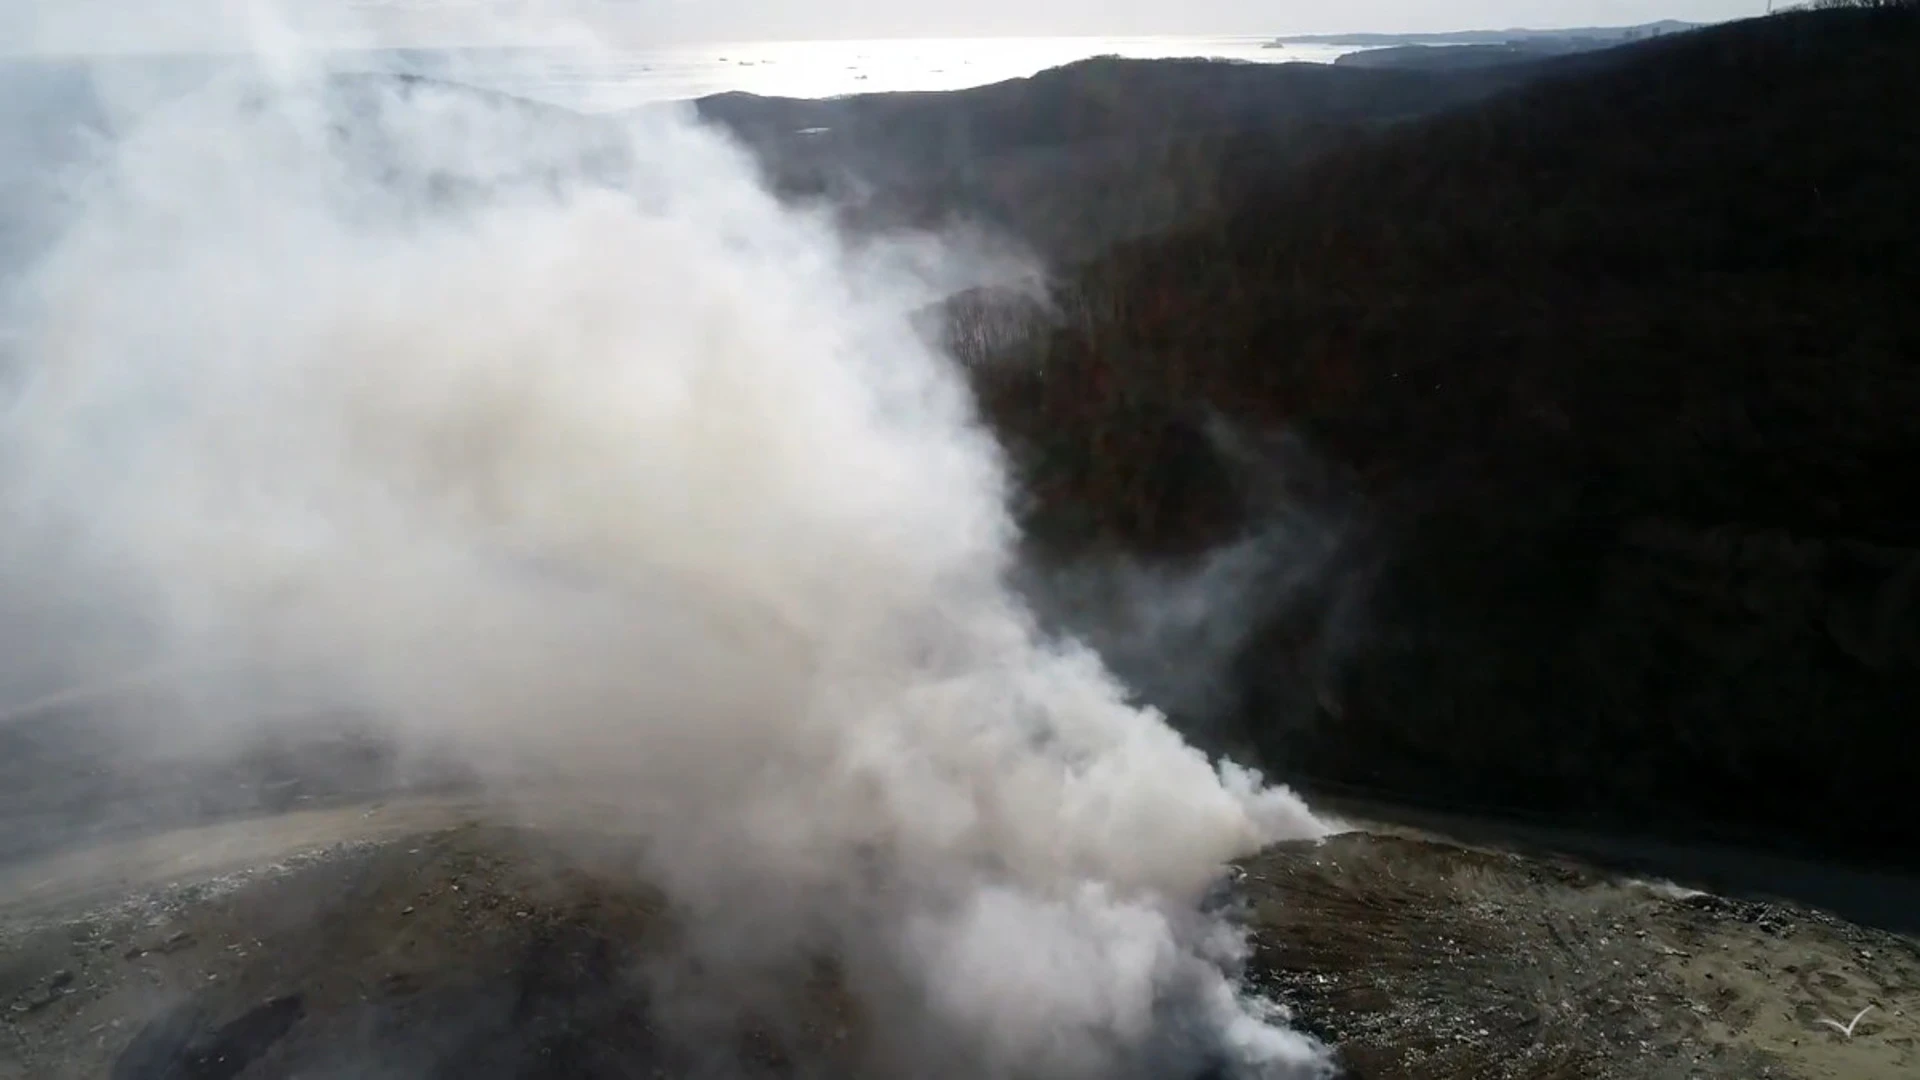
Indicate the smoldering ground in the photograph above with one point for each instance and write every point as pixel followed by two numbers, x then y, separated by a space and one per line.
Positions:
pixel 567 448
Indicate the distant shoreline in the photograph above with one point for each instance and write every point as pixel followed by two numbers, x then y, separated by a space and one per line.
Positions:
pixel 1491 37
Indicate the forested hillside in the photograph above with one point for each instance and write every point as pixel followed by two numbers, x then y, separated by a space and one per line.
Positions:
pixel 1080 157
pixel 1622 370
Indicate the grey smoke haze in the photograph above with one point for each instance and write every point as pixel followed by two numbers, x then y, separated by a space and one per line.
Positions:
pixel 1180 632
pixel 569 449
pixel 1171 631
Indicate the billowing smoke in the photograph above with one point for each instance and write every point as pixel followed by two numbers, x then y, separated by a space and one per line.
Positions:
pixel 566 447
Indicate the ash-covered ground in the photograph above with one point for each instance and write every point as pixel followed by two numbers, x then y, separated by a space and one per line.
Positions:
pixel 411 939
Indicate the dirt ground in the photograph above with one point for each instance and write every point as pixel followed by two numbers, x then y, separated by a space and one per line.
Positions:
pixel 402 942
pixel 1423 958
pixel 409 940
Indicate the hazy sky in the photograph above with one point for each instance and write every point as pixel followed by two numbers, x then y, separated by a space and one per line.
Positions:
pixel 856 18
pixel 83 25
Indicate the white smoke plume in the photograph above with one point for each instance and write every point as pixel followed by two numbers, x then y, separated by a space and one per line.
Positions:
pixel 569 448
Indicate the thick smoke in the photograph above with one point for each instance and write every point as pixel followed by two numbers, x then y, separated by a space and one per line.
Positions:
pixel 567 447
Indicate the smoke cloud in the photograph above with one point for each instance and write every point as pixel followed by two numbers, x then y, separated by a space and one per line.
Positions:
pixel 567 447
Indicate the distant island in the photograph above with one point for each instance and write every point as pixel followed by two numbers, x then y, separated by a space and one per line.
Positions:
pixel 1595 36
pixel 1469 49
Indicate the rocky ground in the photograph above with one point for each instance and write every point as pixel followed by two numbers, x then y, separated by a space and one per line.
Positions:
pixel 401 942
pixel 1423 958
pixel 411 941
